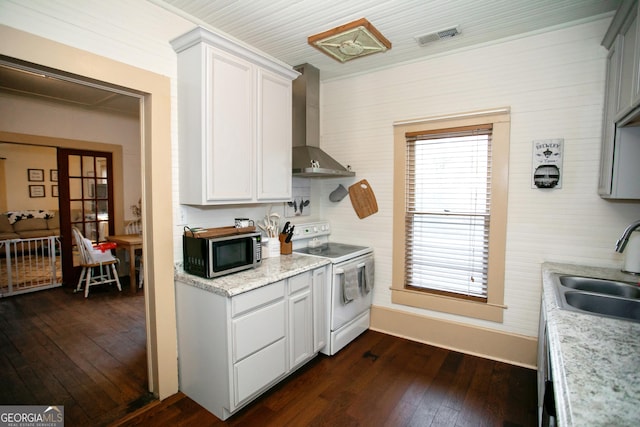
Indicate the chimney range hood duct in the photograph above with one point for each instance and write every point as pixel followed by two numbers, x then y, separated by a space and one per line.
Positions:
pixel 308 159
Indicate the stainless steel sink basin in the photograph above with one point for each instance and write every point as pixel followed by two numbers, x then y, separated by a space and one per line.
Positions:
pixel 608 306
pixel 600 286
pixel 607 298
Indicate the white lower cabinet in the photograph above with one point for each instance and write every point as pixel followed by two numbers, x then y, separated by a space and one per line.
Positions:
pixel 232 349
pixel 300 319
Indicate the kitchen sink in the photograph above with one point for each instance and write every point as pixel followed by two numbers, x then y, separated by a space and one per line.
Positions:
pixel 608 306
pixel 601 286
pixel 600 297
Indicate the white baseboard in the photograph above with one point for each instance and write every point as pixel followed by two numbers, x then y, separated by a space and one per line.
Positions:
pixel 491 344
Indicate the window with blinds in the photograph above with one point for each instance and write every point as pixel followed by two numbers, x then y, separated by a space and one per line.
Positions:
pixel 447 211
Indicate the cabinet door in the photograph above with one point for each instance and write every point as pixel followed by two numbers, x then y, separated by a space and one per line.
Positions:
pixel 274 137
pixel 629 68
pixel 625 183
pixel 320 289
pixel 636 61
pixel 300 327
pixel 300 319
pixel 229 137
pixel 612 91
pixel 543 373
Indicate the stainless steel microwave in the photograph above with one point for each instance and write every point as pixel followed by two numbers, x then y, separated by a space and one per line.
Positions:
pixel 216 256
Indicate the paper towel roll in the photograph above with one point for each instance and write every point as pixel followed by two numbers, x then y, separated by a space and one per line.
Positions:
pixel 632 254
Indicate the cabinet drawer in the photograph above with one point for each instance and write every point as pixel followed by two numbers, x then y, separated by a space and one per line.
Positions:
pixel 252 299
pixel 258 370
pixel 258 329
pixel 299 282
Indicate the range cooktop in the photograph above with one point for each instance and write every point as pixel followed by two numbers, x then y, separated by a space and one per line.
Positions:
pixel 337 252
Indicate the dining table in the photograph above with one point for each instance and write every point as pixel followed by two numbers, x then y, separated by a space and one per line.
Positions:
pixel 131 243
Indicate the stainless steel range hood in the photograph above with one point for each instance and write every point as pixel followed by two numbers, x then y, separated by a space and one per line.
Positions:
pixel 308 159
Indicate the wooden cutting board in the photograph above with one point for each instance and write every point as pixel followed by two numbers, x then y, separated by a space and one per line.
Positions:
pixel 363 199
pixel 217 232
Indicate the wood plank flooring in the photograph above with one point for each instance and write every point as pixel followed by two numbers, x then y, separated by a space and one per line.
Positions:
pixel 58 348
pixel 378 380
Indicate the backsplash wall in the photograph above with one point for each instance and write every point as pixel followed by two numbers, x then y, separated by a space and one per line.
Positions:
pixel 554 84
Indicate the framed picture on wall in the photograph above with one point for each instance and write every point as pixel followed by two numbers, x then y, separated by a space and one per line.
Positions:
pixel 53 175
pixel 54 191
pixel 35 174
pixel 36 191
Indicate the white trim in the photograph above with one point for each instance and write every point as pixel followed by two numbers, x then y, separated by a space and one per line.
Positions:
pixel 504 110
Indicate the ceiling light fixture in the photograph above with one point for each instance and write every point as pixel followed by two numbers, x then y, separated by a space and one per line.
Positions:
pixel 349 41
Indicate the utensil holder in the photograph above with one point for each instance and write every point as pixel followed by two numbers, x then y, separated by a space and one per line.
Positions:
pixel 285 248
pixel 273 248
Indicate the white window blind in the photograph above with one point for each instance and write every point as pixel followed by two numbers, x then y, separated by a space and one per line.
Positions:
pixel 448 200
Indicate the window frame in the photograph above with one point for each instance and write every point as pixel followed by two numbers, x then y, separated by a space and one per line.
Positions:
pixel 492 309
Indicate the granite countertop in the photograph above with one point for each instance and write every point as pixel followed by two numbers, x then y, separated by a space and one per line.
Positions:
pixel 595 360
pixel 271 270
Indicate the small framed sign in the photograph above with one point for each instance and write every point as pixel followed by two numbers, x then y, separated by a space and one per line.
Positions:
pixel 547 163
pixel 54 191
pixel 36 191
pixel 53 175
pixel 35 174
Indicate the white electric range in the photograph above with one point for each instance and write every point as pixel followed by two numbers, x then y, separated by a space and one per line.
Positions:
pixel 350 285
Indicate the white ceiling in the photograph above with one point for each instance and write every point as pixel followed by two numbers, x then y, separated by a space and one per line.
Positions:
pixel 280 27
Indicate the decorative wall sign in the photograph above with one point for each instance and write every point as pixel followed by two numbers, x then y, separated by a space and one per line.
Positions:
pixel 301 199
pixel 36 191
pixel 547 163
pixel 54 191
pixel 35 174
pixel 53 175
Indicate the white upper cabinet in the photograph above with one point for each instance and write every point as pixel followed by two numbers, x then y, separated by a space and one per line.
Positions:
pixel 274 137
pixel 610 111
pixel 620 154
pixel 234 122
pixel 629 70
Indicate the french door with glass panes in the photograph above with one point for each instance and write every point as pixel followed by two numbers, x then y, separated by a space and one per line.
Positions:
pixel 86 203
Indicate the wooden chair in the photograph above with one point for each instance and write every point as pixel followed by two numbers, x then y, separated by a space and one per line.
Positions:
pixel 97 267
pixel 135 227
pixel 140 272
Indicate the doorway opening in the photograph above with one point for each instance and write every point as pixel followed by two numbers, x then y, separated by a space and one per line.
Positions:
pixel 101 181
pixel 156 147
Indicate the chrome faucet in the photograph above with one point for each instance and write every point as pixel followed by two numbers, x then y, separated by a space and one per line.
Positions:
pixel 622 241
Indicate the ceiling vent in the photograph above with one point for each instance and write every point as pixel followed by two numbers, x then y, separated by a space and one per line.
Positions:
pixel 438 35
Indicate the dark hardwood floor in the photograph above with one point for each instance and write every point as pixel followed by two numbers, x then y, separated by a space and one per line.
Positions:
pixel 89 355
pixel 378 380
pixel 58 348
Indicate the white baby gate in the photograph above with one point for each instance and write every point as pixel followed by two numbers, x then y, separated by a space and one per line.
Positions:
pixel 28 265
